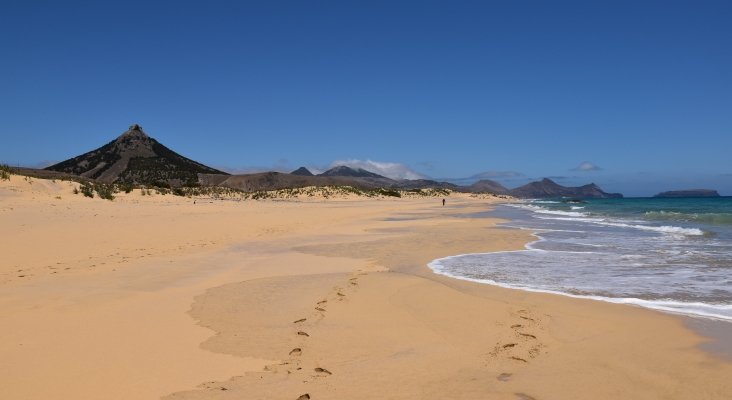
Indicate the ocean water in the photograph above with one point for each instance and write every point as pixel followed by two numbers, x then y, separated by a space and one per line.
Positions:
pixel 673 255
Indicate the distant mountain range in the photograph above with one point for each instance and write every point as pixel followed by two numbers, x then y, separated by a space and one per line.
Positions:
pixel 362 179
pixel 136 158
pixel 337 176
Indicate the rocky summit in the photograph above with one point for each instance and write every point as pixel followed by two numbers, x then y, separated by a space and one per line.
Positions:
pixel 302 171
pixel 135 158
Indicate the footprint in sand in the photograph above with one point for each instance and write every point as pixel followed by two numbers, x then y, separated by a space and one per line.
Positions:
pixel 320 309
pixel 509 345
pixel 301 333
pixel 322 302
pixel 299 320
pixel 341 294
pixel 504 377
pixel 296 351
pixel 524 396
pixel 518 359
pixel 304 397
pixel 528 335
pixel 323 371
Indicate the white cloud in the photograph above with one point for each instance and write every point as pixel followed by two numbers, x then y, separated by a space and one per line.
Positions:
pixel 586 166
pixel 387 169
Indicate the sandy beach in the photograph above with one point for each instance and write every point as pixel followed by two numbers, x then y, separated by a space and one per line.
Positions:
pixel 149 297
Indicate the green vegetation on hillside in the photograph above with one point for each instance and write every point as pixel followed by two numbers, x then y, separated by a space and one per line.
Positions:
pixel 5 172
pixel 103 190
pixel 218 192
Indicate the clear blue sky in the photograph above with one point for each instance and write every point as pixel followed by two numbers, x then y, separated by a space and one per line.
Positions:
pixel 448 89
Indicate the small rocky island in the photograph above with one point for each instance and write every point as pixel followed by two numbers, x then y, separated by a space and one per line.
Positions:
pixel 689 193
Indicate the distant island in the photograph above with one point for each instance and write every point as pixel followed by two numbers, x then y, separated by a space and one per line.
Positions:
pixel 689 193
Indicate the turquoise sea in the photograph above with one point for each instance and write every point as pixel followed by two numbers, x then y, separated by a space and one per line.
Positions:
pixel 673 255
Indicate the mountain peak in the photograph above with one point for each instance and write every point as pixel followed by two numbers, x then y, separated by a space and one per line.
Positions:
pixel 134 131
pixel 302 171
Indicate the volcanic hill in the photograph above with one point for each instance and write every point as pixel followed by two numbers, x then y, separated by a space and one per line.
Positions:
pixel 135 158
pixel 302 171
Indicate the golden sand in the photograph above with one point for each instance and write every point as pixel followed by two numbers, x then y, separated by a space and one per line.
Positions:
pixel 153 296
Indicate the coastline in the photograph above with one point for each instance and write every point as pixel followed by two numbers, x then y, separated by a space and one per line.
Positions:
pixel 715 329
pixel 547 340
pixel 378 321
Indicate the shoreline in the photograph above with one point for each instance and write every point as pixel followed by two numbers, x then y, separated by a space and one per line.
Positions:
pixel 210 310
pixel 704 311
pixel 718 331
pixel 718 327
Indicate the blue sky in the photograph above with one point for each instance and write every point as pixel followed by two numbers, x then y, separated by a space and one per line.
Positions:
pixel 512 90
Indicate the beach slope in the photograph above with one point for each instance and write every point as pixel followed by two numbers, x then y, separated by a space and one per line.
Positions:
pixel 154 296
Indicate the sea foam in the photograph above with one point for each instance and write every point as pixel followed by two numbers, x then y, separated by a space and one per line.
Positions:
pixel 612 257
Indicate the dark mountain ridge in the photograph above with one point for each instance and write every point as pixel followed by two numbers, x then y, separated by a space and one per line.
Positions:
pixel 547 188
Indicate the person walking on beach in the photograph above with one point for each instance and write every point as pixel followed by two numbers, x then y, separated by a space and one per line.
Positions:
pixel 443 202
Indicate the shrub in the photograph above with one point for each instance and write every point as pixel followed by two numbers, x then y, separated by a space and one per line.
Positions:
pixel 387 192
pixel 5 172
pixel 105 191
pixel 87 190
pixel 126 187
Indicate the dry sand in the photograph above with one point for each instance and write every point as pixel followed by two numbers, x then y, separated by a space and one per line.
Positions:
pixel 152 296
